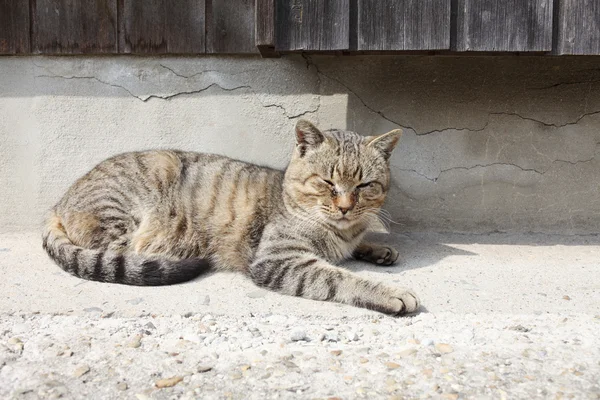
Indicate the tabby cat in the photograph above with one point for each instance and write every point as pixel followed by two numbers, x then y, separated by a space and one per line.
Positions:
pixel 163 217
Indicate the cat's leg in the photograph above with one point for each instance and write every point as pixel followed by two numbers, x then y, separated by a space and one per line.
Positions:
pixel 376 254
pixel 306 275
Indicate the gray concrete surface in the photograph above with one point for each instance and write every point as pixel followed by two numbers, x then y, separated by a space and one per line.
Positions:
pixel 505 316
pixel 490 144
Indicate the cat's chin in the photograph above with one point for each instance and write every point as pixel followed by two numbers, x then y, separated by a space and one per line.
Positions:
pixel 343 223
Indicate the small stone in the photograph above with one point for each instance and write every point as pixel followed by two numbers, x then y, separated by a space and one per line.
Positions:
pixel 352 336
pixel 150 325
pixel 336 352
pixel 81 370
pixel 245 367
pixel 450 396
pixel 565 297
pixel 392 365
pixel 427 342
pixel 332 337
pixel 135 301
pixel 298 335
pixel 142 396
pixel 169 382
pixel 364 360
pixel 135 342
pixel 413 341
pixel 236 375
pixel 407 352
pixel 205 301
pixel 443 348
pixel 121 386
pixel 203 368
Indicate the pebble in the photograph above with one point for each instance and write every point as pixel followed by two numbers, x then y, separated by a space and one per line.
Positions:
pixel 336 352
pixel 407 352
pixel 135 301
pixel 427 342
pixel 332 337
pixel 122 386
pixel 298 335
pixel 81 370
pixel 168 382
pixel 135 342
pixel 444 348
pixel 392 365
pixel 352 336
pixel 205 301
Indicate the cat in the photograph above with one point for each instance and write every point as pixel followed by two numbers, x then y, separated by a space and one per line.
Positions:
pixel 163 217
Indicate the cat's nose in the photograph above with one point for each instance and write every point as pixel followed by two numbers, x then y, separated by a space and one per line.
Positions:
pixel 344 210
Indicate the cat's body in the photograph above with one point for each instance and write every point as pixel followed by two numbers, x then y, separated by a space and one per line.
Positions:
pixel 162 217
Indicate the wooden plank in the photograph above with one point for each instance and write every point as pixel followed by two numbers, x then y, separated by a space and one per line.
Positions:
pixel 74 26
pixel 161 26
pixel 265 27
pixel 403 25
pixel 14 27
pixel 313 25
pixel 577 27
pixel 230 26
pixel 503 25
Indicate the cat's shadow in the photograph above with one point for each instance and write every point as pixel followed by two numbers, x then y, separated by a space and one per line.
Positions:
pixel 414 253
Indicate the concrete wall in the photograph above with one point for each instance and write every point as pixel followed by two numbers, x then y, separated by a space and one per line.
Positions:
pixel 490 144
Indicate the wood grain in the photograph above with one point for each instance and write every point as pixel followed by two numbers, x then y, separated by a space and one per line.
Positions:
pixel 577 27
pixel 161 26
pixel 230 26
pixel 74 26
pixel 403 25
pixel 14 27
pixel 312 25
pixel 503 25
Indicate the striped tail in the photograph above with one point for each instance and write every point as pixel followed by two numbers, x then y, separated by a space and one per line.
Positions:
pixel 107 266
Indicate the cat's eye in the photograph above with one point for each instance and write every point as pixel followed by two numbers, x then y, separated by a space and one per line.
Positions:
pixel 366 184
pixel 328 182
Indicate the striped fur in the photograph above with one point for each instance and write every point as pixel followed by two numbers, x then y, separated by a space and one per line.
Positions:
pixel 163 217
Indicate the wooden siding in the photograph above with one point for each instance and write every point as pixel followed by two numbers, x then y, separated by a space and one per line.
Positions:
pixel 403 25
pixel 503 25
pixel 73 26
pixel 274 27
pixel 577 27
pixel 161 26
pixel 312 25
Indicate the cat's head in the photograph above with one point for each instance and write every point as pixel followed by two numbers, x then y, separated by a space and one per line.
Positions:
pixel 339 177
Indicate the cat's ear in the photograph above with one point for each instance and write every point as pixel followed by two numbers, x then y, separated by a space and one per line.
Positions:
pixel 385 143
pixel 307 136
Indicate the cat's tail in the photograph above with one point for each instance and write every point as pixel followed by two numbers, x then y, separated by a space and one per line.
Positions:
pixel 108 266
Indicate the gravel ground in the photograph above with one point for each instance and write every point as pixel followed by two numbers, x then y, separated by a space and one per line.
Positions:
pixel 276 356
pixel 504 316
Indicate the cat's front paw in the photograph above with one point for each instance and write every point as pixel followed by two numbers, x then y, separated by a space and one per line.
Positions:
pixel 385 255
pixel 404 301
pixel 380 255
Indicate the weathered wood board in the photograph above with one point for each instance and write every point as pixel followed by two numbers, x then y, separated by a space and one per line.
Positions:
pixel 503 25
pixel 162 26
pixel 403 25
pixel 73 26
